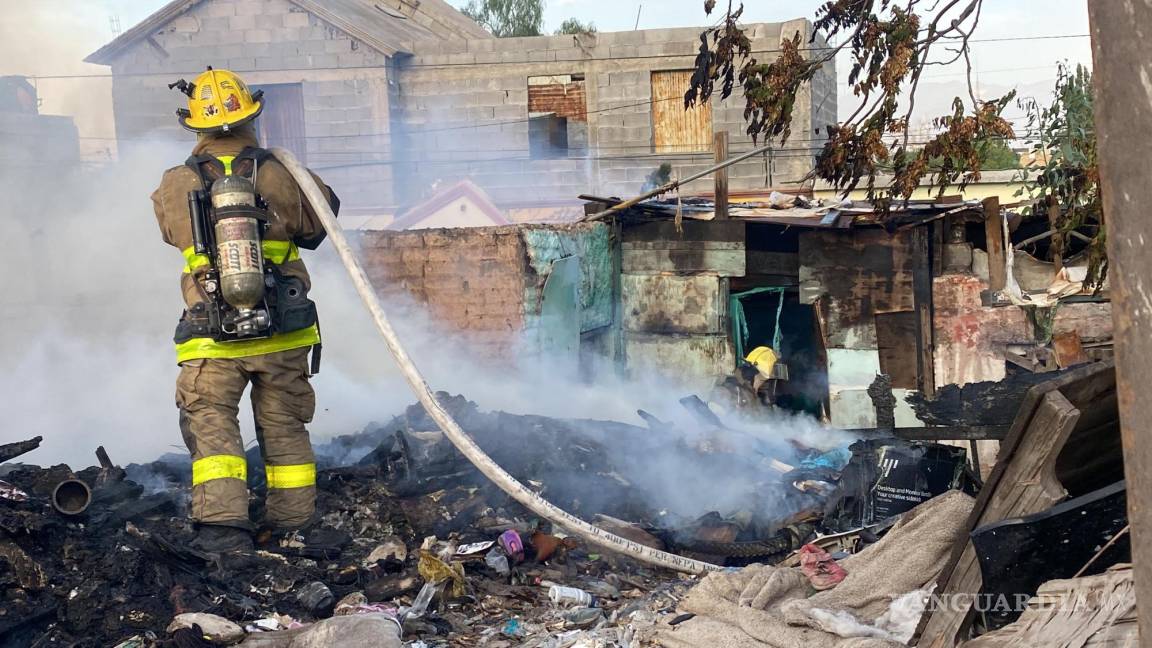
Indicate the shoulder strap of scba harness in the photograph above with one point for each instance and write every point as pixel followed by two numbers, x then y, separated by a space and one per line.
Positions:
pixel 210 168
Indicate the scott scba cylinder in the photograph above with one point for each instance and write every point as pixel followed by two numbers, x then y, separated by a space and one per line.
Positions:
pixel 239 255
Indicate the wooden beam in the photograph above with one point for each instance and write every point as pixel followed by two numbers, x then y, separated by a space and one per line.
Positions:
pixel 922 297
pixel 720 147
pixel 1053 219
pixel 994 235
pixel 1120 52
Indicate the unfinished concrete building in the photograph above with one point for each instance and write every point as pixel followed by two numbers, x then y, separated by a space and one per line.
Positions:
pixel 392 101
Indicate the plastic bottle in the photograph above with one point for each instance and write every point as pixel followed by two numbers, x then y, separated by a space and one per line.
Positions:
pixel 423 599
pixel 570 596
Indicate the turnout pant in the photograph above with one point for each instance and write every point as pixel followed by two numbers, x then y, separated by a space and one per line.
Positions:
pixel 208 393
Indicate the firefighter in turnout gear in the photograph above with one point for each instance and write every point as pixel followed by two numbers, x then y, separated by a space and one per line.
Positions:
pixel 240 221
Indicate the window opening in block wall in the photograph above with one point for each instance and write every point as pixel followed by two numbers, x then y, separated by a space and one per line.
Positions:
pixel 676 130
pixel 281 123
pixel 558 115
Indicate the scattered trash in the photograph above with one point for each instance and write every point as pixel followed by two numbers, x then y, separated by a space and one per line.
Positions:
pixel 474 549
pixel 512 545
pixel 350 604
pixel 10 492
pixel 317 599
pixel 392 548
pixel 434 570
pixel 547 546
pixel 513 628
pixel 498 561
pixel 561 595
pixel 820 568
pixel 423 600
pixel 214 628
pixel 487 572
pixel 583 618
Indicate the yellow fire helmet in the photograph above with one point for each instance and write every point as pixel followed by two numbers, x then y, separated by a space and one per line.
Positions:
pixel 218 101
pixel 763 358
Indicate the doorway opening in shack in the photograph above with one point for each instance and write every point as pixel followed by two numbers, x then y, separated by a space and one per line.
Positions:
pixel 766 311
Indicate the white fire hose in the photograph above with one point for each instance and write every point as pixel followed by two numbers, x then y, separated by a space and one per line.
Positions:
pixel 459 438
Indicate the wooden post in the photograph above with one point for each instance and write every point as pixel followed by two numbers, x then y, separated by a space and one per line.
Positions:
pixel 1057 242
pixel 994 236
pixel 1121 50
pixel 922 299
pixel 720 148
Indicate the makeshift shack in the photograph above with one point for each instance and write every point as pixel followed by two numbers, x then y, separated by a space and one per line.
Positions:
pixel 941 293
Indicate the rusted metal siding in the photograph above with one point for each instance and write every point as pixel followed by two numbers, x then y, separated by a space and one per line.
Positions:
pixel 673 304
pixel 675 129
pixel 713 247
pixel 971 338
pixel 859 273
pixel 690 362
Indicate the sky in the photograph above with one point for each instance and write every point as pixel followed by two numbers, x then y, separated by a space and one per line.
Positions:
pixel 51 37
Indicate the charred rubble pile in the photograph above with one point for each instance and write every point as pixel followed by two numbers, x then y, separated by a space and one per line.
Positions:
pixel 409 531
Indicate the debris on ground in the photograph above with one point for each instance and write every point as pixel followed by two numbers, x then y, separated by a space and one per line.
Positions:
pixel 406 528
pixel 412 546
pixel 775 606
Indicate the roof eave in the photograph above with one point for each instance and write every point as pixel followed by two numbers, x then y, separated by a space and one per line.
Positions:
pixel 108 53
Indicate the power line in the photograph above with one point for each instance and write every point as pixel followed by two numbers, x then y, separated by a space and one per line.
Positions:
pixel 50 77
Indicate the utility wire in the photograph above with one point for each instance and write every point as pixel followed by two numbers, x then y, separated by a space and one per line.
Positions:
pixel 490 64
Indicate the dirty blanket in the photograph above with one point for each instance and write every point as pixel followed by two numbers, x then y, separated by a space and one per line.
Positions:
pixel 761 606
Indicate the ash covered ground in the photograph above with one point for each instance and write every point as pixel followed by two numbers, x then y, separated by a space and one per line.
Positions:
pixel 122 569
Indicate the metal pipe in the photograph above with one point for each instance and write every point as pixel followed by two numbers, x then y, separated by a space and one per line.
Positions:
pixel 676 183
pixel 71 497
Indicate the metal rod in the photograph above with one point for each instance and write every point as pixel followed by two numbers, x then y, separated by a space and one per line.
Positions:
pixel 675 183
pixel 1123 532
pixel 1039 237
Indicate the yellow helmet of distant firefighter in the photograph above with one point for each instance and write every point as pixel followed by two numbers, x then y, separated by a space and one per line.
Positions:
pixel 763 358
pixel 218 101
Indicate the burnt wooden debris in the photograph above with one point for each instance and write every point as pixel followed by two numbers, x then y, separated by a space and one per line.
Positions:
pixel 1064 442
pixel 977 404
pixel 10 451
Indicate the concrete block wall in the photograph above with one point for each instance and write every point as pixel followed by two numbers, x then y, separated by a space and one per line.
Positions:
pixel 472 280
pixel 345 85
pixel 463 108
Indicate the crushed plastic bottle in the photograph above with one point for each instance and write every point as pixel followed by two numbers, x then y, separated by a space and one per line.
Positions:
pixel 498 562
pixel 423 599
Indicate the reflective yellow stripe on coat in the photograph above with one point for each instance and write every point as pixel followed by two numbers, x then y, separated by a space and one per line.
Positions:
pixel 209 348
pixel 277 252
pixel 219 467
pixel 297 476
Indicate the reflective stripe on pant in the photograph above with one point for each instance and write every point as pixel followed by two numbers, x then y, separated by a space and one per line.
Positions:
pixel 208 393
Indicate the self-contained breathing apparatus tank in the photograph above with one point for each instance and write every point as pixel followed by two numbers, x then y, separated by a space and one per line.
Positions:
pixel 228 227
pixel 240 259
